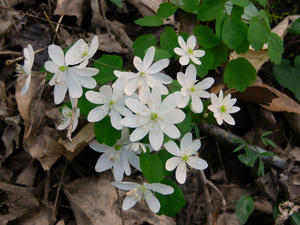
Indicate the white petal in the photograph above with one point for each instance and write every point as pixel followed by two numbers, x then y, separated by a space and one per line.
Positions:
pixel 162 78
pixel 221 96
pixel 56 54
pixel 179 51
pixel 96 97
pixel 196 106
pixel 122 110
pixel 75 90
pixel 199 53
pixel 229 119
pixel 184 100
pixel 87 82
pixel 127 75
pixel 131 86
pixel 64 124
pixel 129 202
pixel 103 163
pixel 118 170
pixel 148 59
pixel 181 173
pixel 156 137
pixel 59 93
pixel 172 163
pixel 115 119
pixel 161 188
pixel 134 121
pixel 233 109
pixel 97 113
pixel 172 148
pixel 174 116
pixel 138 134
pixel 186 141
pixel 181 79
pixel 26 85
pixel 191 74
pixel 158 66
pixel 138 63
pixel 191 42
pixel 170 129
pixel 94 46
pixel 197 163
pixel 184 60
pixel 51 66
pixel 73 55
pixel 214 100
pixel 125 162
pixel 170 102
pixel 196 145
pixel 84 72
pixel 134 160
pixel 136 106
pixel 182 43
pixel 152 201
pixel 195 60
pixel 96 146
pixel 106 90
pixel 126 186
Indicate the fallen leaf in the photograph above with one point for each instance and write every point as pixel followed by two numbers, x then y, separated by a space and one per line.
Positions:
pixel 147 8
pixel 19 201
pixel 37 217
pixel 269 186
pixel 70 8
pixel 98 200
pixel 106 44
pixel 27 176
pixel 294 154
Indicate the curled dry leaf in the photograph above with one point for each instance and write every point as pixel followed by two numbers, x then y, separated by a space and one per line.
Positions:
pixel 101 206
pixel 37 217
pixel 70 8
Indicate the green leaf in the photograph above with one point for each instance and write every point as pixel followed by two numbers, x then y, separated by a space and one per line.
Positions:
pixel 275 48
pixel 295 218
pixel 219 24
pixel 105 133
pixel 267 154
pixel 270 142
pixel 84 105
pixel 186 125
pixel 261 168
pixel 220 53
pixel 210 9
pixel 106 65
pixel 266 133
pixel 237 12
pixel 152 167
pixel 207 62
pixel 248 158
pixel 164 155
pixel 239 73
pixel 190 5
pixel 171 204
pixel 263 3
pixel 242 3
pixel 258 32
pixel 161 54
pixel 288 76
pixel 149 21
pixel 295 28
pixel 205 36
pixel 174 86
pixel 142 43
pixel 243 208
pixel 240 147
pixel 168 40
pixel 117 3
pixel 234 32
pixel 166 9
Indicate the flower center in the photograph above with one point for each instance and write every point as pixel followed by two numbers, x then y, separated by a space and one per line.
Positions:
pixel 223 108
pixel 185 158
pixel 193 89
pixel 142 74
pixel 85 53
pixel 118 147
pixel 111 103
pixel 142 189
pixel 154 116
pixel 190 51
pixel 63 68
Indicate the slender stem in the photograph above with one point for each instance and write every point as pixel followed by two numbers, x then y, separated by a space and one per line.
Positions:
pixel 12 61
pixel 70 128
pixel 207 198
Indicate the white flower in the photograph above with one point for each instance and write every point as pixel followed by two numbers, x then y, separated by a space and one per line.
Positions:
pixel 138 192
pixel 119 157
pixel 187 154
pixel 154 117
pixel 187 51
pixel 25 70
pixel 222 107
pixel 138 147
pixel 147 76
pixel 193 90
pixel 112 103
pixel 66 117
pixel 81 52
pixel 71 78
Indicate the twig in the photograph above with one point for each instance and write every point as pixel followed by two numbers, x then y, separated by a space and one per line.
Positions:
pixel 12 61
pixel 207 198
pixel 59 188
pixel 46 193
pixel 10 53
pixel 70 128
pixel 230 138
pixel 52 27
pixel 120 206
pixel 221 160
pixel 59 23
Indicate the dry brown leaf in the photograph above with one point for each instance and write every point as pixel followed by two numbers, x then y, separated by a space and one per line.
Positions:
pixel 38 217
pixel 98 200
pixel 19 200
pixel 27 176
pixel 61 222
pixel 106 44
pixel 70 8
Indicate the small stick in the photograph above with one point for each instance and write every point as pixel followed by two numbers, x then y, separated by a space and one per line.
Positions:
pixel 207 198
pixel 12 61
pixel 10 53
pixel 70 128
pixel 52 27
pixel 119 202
pixel 46 194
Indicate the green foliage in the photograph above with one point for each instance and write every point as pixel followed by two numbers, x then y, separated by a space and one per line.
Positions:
pixel 239 73
pixel 234 32
pixel 190 5
pixel 171 204
pixel 207 62
pixel 164 155
pixel 168 40
pixel 241 3
pixel 166 9
pixel 259 31
pixel 142 43
pixel 220 54
pixel 289 76
pixel 186 125
pixel 275 48
pixel 295 28
pixel 117 3
pixel 205 36
pixel 152 167
pixel 244 207
pixel 263 3
pixel 149 21
pixel 210 9
pixel 266 141
pixel 105 133
pixel 161 54
pixel 84 105
pixel 295 218
pixel 106 65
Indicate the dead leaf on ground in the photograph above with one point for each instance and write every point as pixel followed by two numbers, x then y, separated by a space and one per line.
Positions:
pixel 97 199
pixel 37 217
pixel 145 7
pixel 19 201
pixel 70 8
pixel 27 176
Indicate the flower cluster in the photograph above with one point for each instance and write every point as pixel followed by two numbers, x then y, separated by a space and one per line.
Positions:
pixel 140 101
